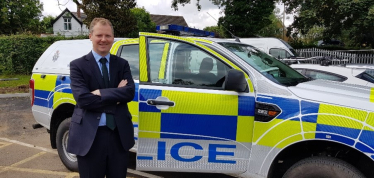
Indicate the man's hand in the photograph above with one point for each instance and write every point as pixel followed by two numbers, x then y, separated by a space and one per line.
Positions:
pixel 96 92
pixel 122 83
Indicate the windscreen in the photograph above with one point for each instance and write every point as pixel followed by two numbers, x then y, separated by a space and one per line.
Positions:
pixel 267 65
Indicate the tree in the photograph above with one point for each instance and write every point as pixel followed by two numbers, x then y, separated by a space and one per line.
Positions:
pixel 144 22
pixel 46 24
pixel 117 11
pixel 19 16
pixel 335 16
pixel 219 31
pixel 175 3
pixel 246 18
pixel 275 28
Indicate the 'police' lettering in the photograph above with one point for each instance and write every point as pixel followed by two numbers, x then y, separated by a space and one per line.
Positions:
pixel 213 153
pixel 175 151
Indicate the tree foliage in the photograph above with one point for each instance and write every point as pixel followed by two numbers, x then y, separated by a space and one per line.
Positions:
pixel 335 16
pixel 46 24
pixel 246 18
pixel 117 11
pixel 219 31
pixel 275 28
pixel 144 22
pixel 175 3
pixel 19 16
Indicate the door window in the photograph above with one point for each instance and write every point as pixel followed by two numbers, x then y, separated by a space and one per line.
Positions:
pixel 178 63
pixel 279 53
pixel 131 54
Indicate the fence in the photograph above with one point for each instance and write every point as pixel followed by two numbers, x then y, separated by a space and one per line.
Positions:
pixel 339 56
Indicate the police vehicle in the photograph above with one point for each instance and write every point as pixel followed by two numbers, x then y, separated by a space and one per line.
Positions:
pixel 214 105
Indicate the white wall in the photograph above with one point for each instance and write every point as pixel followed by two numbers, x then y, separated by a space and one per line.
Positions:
pixel 76 29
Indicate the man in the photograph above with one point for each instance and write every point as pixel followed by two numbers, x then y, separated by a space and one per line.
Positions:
pixel 101 131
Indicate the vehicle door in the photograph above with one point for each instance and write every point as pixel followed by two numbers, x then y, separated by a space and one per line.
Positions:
pixel 128 49
pixel 187 122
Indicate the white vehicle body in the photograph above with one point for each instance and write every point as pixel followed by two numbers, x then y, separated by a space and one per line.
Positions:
pixel 335 73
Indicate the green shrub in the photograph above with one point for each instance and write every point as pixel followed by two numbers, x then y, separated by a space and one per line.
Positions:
pixel 19 53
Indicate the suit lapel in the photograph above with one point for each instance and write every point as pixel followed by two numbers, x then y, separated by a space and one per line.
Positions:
pixel 113 70
pixel 92 65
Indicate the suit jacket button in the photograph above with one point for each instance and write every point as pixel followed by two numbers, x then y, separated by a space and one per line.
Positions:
pixel 98 117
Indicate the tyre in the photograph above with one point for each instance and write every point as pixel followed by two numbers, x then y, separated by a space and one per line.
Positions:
pixel 68 159
pixel 322 167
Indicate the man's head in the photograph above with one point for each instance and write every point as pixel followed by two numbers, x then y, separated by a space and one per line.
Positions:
pixel 101 35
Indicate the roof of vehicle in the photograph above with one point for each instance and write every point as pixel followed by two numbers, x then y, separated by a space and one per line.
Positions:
pixel 216 40
pixel 359 66
pixel 332 69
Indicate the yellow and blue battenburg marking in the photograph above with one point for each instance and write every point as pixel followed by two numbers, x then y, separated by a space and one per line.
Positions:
pixel 197 122
pixel 316 121
pixel 55 90
pixel 52 90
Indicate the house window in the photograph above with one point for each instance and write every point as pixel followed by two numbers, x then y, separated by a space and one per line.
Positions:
pixel 67 23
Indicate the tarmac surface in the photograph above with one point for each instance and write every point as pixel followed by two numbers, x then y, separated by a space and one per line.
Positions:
pixel 26 152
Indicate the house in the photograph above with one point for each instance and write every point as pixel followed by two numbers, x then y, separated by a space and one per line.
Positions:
pixel 71 23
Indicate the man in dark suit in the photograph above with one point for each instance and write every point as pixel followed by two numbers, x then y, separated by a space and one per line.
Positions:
pixel 101 132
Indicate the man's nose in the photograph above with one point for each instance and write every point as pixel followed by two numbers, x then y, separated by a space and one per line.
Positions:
pixel 104 38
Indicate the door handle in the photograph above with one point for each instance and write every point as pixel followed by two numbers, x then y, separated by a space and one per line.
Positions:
pixel 158 102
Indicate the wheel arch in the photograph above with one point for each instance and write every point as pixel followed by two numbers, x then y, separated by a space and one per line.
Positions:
pixel 59 114
pixel 309 148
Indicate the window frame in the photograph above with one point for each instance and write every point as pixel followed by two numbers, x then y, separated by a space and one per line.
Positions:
pixel 286 57
pixel 172 52
pixel 67 23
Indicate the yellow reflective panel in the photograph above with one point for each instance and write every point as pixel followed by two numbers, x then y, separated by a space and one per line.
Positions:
pixel 193 103
pixel 60 98
pixel 149 125
pixel 161 74
pixel 199 39
pixel 48 83
pixel 277 132
pixel 244 132
pixel 370 119
pixel 134 109
pixel 143 71
pixel 372 95
pixel 341 116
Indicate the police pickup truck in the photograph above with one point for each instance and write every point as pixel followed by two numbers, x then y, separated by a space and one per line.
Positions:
pixel 213 105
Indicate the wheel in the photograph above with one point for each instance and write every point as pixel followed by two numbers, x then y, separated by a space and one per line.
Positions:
pixel 322 167
pixel 68 159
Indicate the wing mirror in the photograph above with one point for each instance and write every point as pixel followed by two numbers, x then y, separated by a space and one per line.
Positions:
pixel 235 81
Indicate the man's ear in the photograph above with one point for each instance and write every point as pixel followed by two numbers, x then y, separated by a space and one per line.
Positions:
pixel 89 36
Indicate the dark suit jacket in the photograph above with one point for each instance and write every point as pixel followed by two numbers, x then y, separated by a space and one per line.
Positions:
pixel 86 77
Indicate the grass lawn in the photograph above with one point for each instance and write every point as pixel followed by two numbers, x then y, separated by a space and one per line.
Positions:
pixel 14 86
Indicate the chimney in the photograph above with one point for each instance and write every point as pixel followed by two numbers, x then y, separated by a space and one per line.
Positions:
pixel 79 13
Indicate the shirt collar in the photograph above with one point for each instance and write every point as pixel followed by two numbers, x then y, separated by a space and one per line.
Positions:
pixel 98 57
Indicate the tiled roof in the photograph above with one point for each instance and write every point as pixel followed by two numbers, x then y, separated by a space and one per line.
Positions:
pixel 168 19
pixel 83 16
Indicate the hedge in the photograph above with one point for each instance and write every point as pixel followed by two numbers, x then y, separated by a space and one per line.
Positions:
pixel 19 53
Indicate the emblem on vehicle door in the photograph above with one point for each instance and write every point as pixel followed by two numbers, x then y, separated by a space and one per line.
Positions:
pixel 56 55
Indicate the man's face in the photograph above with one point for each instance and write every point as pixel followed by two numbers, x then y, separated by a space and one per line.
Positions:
pixel 102 39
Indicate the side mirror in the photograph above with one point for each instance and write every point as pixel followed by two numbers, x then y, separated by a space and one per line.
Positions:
pixel 235 80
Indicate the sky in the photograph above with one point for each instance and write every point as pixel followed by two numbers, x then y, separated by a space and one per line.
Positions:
pixel 193 17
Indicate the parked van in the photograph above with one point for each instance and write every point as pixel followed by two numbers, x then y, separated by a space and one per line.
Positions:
pixel 273 46
pixel 214 105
